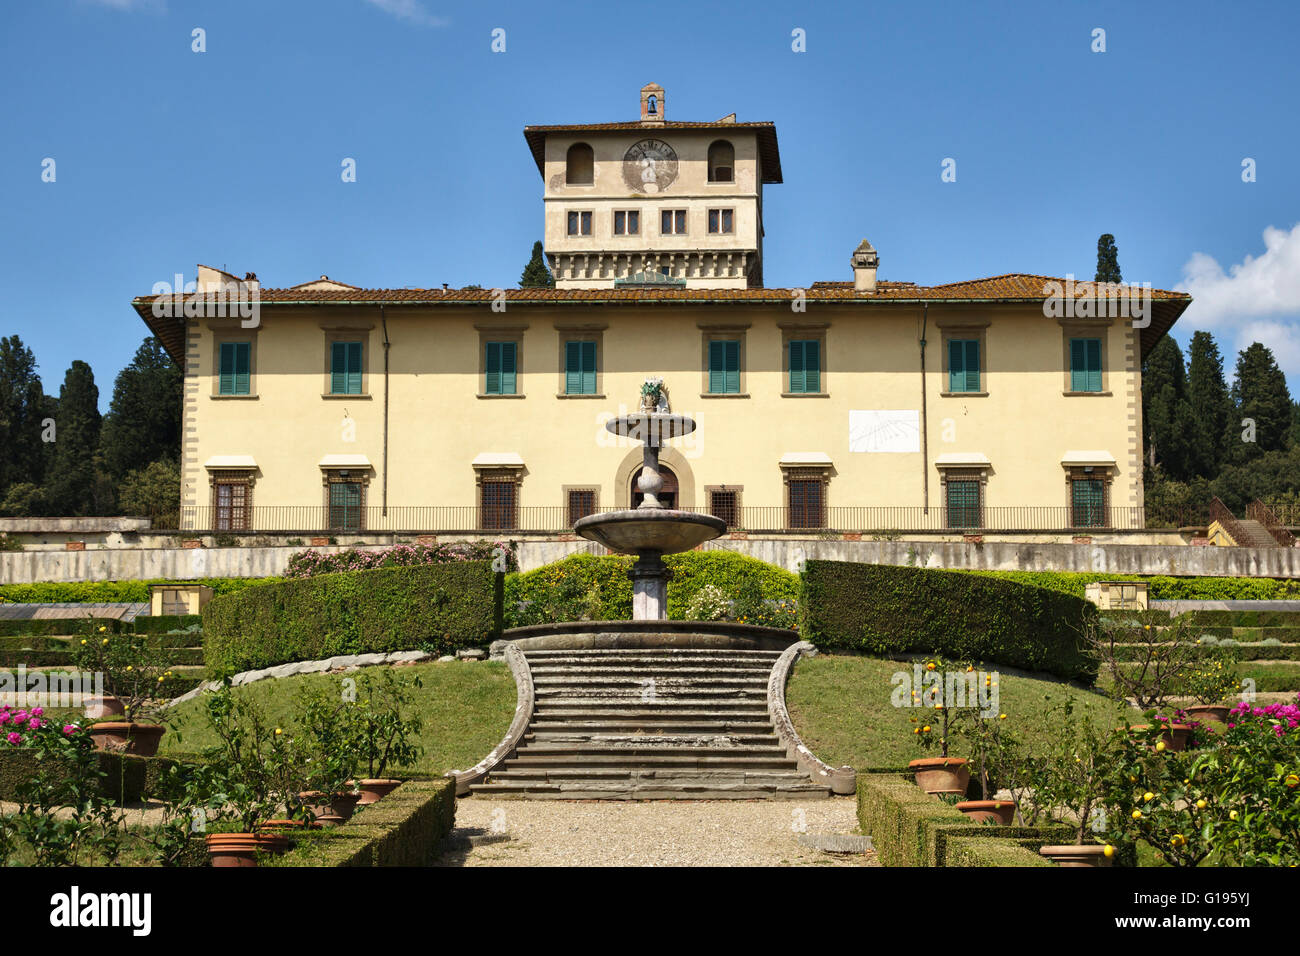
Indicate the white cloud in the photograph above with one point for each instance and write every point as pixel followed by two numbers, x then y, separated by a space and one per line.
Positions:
pixel 410 10
pixel 1256 287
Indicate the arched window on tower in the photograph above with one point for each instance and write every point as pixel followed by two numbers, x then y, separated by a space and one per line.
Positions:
pixel 722 162
pixel 579 165
pixel 653 106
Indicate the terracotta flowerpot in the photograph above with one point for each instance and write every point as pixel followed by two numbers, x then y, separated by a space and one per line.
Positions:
pixel 127 737
pixel 1204 712
pixel 941 774
pixel 241 849
pixel 1086 854
pixel 1002 811
pixel 1175 737
pixel 330 810
pixel 106 706
pixel 374 789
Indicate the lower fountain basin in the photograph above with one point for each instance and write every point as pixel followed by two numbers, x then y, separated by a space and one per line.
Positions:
pixel 650 530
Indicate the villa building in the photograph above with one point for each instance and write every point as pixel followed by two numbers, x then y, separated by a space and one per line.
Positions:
pixel 857 404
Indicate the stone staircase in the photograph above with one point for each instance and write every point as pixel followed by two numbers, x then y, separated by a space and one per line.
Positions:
pixel 650 724
pixel 1252 534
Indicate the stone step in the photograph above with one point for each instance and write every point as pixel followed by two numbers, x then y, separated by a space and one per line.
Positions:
pixel 557 774
pixel 633 705
pixel 667 679
pixel 634 747
pixel 661 653
pixel 622 726
pixel 569 737
pixel 651 694
pixel 649 790
pixel 640 665
pixel 646 760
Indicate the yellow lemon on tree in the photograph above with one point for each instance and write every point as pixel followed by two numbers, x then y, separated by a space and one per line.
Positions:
pixel 1108 852
pixel 925 729
pixel 1137 814
pixel 1232 815
pixel 1148 797
pixel 1292 781
pixel 1160 747
pixel 1202 803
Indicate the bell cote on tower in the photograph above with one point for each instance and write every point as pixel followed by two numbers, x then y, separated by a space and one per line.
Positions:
pixel 652 105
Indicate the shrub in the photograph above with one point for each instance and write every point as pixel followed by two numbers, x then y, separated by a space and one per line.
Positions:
pixel 886 610
pixel 1159 587
pixel 584 586
pixel 310 563
pixel 391 609
pixel 111 592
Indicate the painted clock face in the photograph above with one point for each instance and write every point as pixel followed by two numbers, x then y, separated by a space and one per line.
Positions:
pixel 650 166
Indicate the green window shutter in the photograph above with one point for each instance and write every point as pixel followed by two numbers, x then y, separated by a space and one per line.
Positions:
pixel 811 363
pixel 973 365
pixel 505 368
pixel 573 368
pixel 492 363
pixel 234 373
pixel 243 371
pixel 1085 365
pixel 724 367
pixel 354 368
pixel 956 366
pixel 588 368
pixel 796 366
pixel 226 384
pixel 338 368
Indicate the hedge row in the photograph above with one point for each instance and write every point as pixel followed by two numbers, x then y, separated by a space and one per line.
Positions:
pixel 1160 587
pixel 886 610
pixel 403 829
pixel 438 607
pixel 111 592
pixel 128 779
pixel 909 827
pixel 991 851
pixel 598 588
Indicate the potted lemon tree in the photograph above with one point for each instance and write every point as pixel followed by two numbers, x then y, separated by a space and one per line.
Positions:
pixel 134 674
pixel 388 727
pixel 933 727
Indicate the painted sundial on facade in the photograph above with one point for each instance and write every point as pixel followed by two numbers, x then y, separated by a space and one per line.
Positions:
pixel 650 166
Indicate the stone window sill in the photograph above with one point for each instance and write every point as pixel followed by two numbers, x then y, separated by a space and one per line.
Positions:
pixel 486 395
pixel 1069 394
pixel 724 394
pixel 577 395
pixel 963 394
pixel 339 396
pixel 805 394
pixel 234 398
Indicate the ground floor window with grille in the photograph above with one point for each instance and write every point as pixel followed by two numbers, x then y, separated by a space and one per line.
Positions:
pixel 724 503
pixel 964 505
pixel 499 502
pixel 581 502
pixel 346 505
pixel 1088 502
pixel 806 501
pixel 232 502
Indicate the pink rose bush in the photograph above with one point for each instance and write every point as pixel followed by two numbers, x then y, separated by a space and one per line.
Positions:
pixel 25 727
pixel 306 564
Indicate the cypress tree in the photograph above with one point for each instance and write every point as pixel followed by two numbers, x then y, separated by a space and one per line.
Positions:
pixel 1166 413
pixel 70 488
pixel 536 275
pixel 1211 405
pixel 143 424
pixel 1260 395
pixel 22 407
pixel 1107 259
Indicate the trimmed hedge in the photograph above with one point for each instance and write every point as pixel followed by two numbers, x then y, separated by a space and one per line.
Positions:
pixel 1160 587
pixel 128 779
pixel 584 585
pixel 909 827
pixel 112 592
pixel 991 851
pixel 886 610
pixel 443 607
pixel 403 829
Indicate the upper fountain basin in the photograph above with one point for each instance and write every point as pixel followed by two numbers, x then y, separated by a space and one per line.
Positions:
pixel 650 530
pixel 653 428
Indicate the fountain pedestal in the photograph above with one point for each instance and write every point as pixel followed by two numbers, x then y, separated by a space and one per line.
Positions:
pixel 650 577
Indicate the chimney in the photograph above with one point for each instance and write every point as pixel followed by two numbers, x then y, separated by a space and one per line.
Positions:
pixel 865 262
pixel 652 105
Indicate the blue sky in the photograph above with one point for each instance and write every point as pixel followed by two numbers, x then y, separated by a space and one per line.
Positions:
pixel 165 158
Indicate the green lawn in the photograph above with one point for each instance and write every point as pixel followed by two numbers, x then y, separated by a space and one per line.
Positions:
pixel 466 706
pixel 841 707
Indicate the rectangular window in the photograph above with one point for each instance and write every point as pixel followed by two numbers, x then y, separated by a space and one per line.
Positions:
pixel 345 368
pixel 345 506
pixel 964 504
pixel 580 368
pixel 807 503
pixel 500 366
pixel 724 367
pixel 627 223
pixel 1088 502
pixel 231 500
pixel 582 502
pixel 1085 365
pixel 725 505
pixel 498 504
pixel 805 366
pixel 672 222
pixel 963 365
pixel 580 224
pixel 721 221
pixel 234 377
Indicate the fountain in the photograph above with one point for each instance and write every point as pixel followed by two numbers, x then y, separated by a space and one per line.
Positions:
pixel 650 530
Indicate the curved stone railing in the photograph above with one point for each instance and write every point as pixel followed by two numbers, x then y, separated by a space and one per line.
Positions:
pixel 842 780
pixel 524 705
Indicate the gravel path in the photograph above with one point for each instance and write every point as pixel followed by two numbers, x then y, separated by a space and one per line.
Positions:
pixel 650 833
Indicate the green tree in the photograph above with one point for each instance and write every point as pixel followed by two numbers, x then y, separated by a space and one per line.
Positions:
pixel 143 424
pixel 536 275
pixel 1260 395
pixel 153 491
pixel 1107 259
pixel 1211 404
pixel 71 485
pixel 22 407
pixel 1167 421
